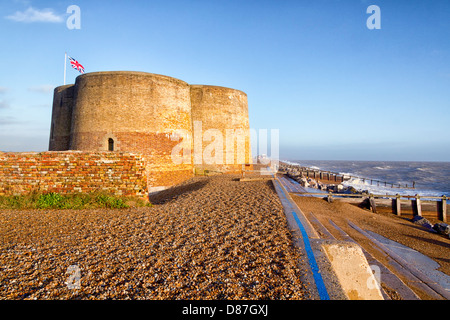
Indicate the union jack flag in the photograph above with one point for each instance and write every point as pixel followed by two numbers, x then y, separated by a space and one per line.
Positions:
pixel 76 65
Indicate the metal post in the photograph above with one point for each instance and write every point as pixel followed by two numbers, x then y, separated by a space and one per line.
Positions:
pixel 65 64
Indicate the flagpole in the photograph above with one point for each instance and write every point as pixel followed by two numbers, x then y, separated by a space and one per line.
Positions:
pixel 65 64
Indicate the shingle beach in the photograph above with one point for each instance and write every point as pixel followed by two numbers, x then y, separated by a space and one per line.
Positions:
pixel 207 238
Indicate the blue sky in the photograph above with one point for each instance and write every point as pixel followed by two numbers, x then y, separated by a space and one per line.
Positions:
pixel 312 69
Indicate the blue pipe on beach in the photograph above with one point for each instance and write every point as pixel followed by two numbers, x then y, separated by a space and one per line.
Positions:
pixel 320 285
pixel 323 294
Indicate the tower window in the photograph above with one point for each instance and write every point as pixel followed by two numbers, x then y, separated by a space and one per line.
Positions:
pixel 110 144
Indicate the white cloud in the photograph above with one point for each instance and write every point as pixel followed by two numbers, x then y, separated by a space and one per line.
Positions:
pixel 43 88
pixel 36 15
pixel 3 89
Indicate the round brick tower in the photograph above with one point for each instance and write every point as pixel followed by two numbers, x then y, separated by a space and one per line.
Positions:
pixel 221 115
pixel 133 112
pixel 177 127
pixel 61 118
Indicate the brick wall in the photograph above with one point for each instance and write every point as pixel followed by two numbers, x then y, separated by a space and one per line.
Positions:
pixel 73 171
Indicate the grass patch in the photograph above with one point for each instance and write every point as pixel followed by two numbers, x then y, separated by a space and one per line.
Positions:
pixel 70 201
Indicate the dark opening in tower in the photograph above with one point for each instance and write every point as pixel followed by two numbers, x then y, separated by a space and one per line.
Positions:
pixel 110 144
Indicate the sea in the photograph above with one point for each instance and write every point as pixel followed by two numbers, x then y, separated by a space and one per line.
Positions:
pixel 431 178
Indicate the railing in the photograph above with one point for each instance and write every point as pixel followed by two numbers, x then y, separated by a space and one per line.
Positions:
pixel 374 200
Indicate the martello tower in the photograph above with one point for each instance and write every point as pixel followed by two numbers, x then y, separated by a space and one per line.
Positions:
pixel 144 113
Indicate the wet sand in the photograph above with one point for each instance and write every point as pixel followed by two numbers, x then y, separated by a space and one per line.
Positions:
pixel 208 238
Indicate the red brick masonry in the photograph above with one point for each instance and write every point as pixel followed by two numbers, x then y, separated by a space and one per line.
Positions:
pixel 73 171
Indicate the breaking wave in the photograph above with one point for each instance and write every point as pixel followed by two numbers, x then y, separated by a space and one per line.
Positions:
pixel 429 178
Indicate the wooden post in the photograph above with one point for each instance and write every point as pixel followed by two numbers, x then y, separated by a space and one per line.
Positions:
pixel 321 175
pixel 416 206
pixel 396 206
pixel 442 209
pixel 372 203
pixel 330 197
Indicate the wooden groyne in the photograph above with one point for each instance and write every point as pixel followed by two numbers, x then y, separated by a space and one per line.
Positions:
pixel 400 205
pixel 336 177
